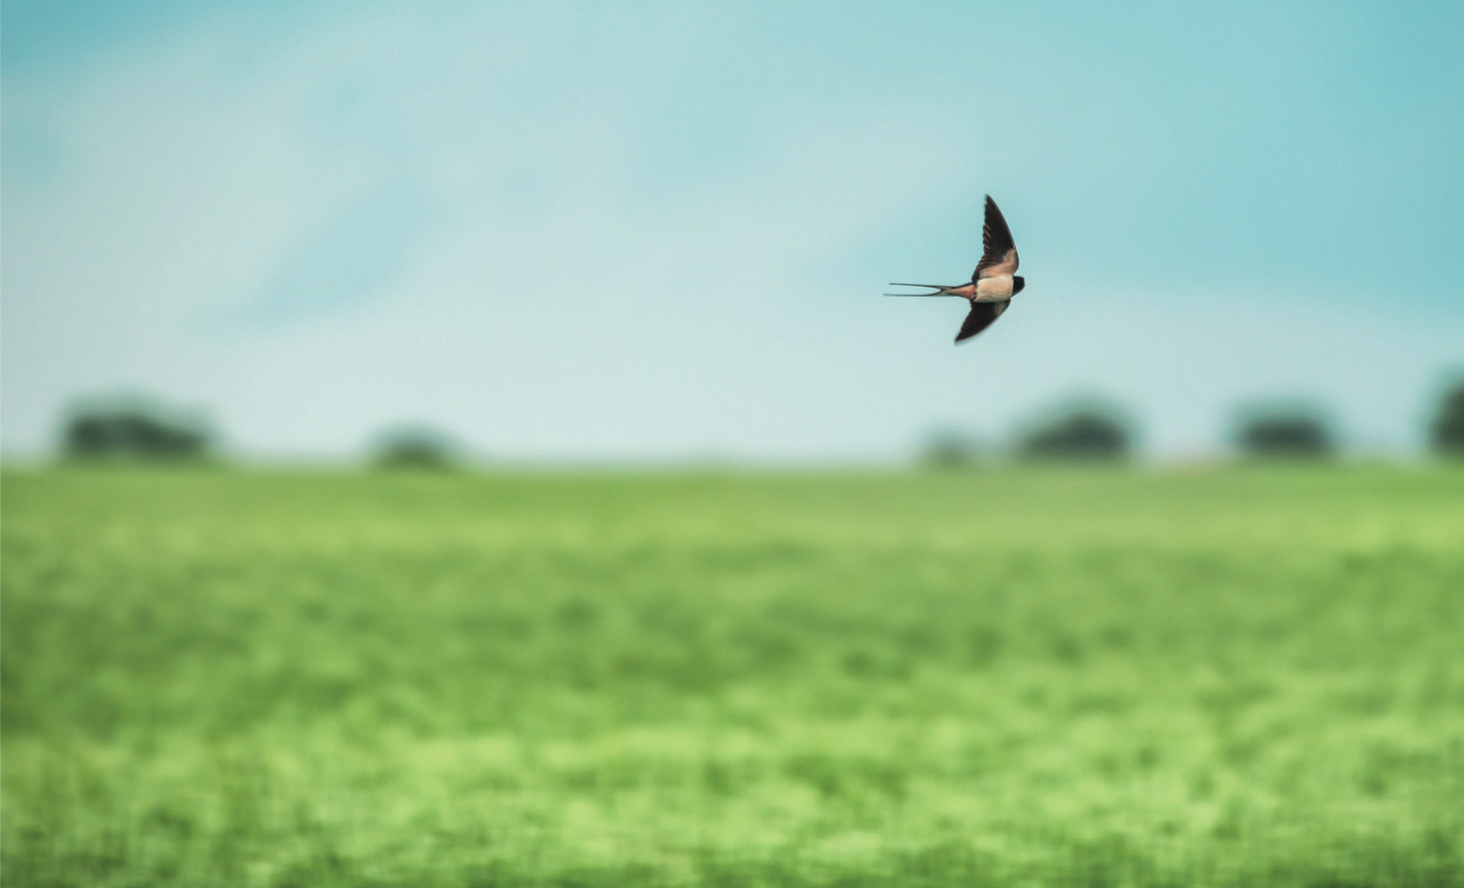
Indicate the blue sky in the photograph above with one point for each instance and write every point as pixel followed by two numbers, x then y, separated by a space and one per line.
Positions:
pixel 659 231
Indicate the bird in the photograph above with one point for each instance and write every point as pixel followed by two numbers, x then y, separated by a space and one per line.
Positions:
pixel 993 283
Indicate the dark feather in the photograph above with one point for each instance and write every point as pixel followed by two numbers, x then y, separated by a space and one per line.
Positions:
pixel 997 245
pixel 983 315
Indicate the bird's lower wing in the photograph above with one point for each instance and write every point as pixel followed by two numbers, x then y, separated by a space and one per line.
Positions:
pixel 983 315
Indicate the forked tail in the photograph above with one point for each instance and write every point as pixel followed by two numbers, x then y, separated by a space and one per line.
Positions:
pixel 940 289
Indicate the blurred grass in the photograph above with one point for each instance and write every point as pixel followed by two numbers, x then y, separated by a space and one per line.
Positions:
pixel 1041 677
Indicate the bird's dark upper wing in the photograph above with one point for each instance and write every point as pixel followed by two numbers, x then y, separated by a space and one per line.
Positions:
pixel 998 251
pixel 983 315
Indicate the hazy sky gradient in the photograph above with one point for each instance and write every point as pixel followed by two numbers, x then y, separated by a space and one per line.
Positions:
pixel 574 231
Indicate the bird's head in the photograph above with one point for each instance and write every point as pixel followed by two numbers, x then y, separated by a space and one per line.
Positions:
pixel 1018 282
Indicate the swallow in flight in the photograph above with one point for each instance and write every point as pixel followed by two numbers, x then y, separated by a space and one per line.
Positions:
pixel 994 282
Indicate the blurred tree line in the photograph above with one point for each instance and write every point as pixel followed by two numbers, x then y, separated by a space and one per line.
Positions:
pixel 1097 430
pixel 1094 430
pixel 1084 429
pixel 135 428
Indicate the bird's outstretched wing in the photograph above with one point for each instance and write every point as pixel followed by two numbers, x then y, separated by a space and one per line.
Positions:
pixel 998 252
pixel 983 315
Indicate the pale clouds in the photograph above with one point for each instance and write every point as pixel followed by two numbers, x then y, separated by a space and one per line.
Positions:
pixel 568 236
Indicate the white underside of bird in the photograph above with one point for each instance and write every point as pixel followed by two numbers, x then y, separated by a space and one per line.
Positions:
pixel 994 289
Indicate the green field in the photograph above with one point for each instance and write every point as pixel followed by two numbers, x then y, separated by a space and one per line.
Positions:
pixel 1241 677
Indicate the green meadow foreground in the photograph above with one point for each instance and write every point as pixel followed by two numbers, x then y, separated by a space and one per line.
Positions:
pixel 1240 677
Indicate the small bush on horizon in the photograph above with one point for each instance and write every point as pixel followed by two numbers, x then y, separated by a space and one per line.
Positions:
pixel 1446 432
pixel 415 447
pixel 950 449
pixel 1285 429
pixel 1086 429
pixel 133 427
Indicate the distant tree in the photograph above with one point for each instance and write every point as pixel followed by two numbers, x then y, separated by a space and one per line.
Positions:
pixel 1284 430
pixel 950 449
pixel 1083 430
pixel 415 447
pixel 133 427
pixel 1446 433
